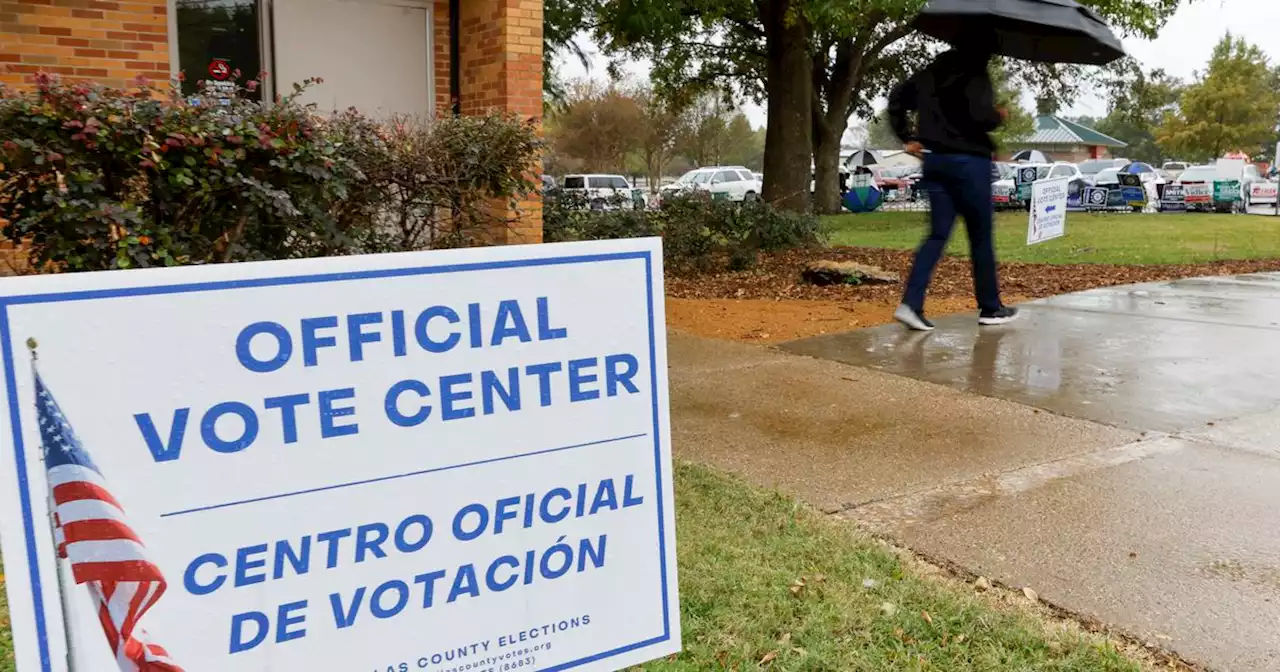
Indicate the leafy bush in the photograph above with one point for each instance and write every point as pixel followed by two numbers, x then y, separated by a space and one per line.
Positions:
pixel 98 178
pixel 436 183
pixel 570 217
pixel 697 231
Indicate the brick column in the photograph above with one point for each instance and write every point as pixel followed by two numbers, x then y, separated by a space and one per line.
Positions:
pixel 108 41
pixel 501 59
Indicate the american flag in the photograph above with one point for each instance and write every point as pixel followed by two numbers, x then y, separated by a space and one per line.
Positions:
pixel 105 553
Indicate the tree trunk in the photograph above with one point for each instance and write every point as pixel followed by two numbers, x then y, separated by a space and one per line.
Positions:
pixel 826 167
pixel 788 145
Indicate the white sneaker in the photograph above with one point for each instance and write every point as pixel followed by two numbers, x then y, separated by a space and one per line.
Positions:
pixel 914 321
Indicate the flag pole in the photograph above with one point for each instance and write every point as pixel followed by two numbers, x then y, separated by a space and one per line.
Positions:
pixel 69 639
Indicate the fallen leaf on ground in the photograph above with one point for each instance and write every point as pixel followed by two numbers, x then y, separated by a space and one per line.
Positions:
pixel 768 657
pixel 927 618
pixel 1031 594
pixel 778 276
pixel 983 583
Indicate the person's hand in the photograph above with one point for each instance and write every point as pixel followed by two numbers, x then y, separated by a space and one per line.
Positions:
pixel 914 148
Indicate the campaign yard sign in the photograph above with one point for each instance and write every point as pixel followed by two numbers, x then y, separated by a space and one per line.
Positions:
pixel 1023 178
pixel 1226 191
pixel 1262 192
pixel 438 461
pixel 1095 198
pixel 1173 198
pixel 1199 193
pixel 1048 210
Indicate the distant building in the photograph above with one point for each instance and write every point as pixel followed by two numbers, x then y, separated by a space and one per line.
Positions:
pixel 1064 140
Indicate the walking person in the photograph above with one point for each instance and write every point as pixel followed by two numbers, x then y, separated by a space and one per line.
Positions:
pixel 955 113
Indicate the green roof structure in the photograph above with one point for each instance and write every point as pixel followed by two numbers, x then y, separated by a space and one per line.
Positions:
pixel 1052 130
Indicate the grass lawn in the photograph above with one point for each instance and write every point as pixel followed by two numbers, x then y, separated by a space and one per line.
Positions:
pixel 1090 238
pixel 763 579
pixel 765 582
pixel 6 636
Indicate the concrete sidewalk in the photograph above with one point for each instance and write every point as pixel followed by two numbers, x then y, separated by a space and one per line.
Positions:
pixel 1115 450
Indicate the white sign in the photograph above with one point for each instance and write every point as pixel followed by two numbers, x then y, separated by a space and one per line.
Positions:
pixel 1262 192
pixel 1199 192
pixel 438 461
pixel 1048 210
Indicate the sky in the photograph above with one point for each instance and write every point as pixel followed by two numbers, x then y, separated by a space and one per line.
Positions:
pixel 1183 47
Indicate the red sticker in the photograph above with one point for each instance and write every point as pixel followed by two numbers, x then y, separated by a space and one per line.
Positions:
pixel 219 69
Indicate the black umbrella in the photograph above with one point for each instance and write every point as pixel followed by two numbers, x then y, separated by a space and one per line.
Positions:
pixel 1053 31
pixel 862 157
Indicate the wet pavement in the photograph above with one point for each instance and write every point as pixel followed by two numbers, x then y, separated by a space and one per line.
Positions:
pixel 1170 535
pixel 1170 356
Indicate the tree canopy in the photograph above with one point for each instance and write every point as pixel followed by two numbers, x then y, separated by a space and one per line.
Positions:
pixel 1139 101
pixel 816 62
pixel 1233 106
pixel 634 129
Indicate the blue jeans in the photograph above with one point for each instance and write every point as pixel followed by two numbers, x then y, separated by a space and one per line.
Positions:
pixel 957 184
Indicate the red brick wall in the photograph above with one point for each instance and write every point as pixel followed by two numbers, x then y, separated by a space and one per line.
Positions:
pixel 501 54
pixel 108 41
pixel 440 42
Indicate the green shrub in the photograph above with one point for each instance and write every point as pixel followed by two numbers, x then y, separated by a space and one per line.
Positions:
pixel 569 217
pixel 99 178
pixel 697 231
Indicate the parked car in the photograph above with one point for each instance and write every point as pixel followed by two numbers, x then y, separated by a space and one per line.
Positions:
pixel 602 192
pixel 1001 190
pixel 1090 169
pixel 1171 170
pixel 1197 183
pixel 1251 175
pixel 1004 192
pixel 735 183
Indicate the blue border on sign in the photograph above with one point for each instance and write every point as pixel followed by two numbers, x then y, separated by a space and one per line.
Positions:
pixel 24 487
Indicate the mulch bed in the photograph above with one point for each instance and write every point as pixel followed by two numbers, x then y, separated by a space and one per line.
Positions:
pixel 777 276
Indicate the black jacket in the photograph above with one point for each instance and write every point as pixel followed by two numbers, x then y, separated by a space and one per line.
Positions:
pixel 954 105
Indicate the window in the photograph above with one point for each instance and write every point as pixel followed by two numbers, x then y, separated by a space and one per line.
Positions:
pixel 727 176
pixel 217 38
pixel 385 66
pixel 745 176
pixel 1042 172
pixel 619 182
pixel 1061 171
pixel 574 182
pixel 701 177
